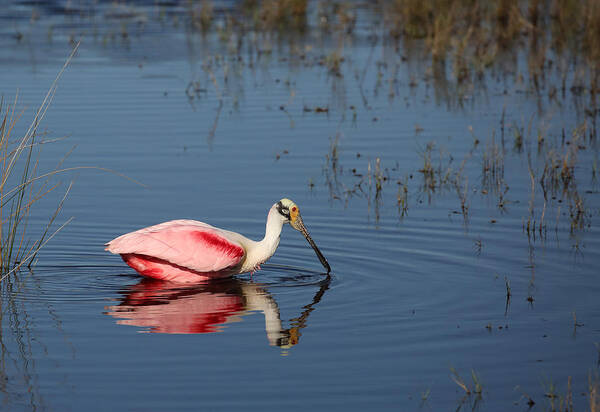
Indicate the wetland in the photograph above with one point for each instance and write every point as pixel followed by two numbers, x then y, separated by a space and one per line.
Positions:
pixel 444 155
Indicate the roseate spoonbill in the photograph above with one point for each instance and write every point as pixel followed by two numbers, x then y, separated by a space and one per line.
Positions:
pixel 189 251
pixel 163 307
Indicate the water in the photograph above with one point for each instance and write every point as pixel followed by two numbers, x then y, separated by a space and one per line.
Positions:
pixel 410 298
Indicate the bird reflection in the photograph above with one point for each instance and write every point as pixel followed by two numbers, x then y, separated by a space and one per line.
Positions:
pixel 165 307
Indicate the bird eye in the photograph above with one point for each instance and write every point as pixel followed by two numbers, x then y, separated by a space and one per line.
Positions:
pixel 294 209
pixel 283 210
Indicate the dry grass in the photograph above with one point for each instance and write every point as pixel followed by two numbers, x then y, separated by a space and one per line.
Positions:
pixel 280 15
pixel 559 401
pixel 557 37
pixel 428 171
pixel 201 15
pixel 594 392
pixel 470 388
pixel 376 178
pixel 402 197
pixel 492 166
pixel 478 35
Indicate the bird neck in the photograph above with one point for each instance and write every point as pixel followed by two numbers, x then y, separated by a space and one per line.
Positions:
pixel 260 252
pixel 272 232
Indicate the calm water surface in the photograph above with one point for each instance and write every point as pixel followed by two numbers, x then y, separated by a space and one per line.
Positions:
pixel 410 298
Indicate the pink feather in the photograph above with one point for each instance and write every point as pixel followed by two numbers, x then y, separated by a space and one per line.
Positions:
pixel 181 250
pixel 165 310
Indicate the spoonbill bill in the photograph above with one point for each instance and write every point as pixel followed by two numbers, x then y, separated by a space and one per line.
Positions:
pixel 189 251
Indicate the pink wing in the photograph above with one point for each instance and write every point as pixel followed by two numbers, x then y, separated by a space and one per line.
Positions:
pixel 178 311
pixel 187 243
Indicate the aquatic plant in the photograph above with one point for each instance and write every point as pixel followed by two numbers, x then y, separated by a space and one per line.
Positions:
pixel 473 392
pixel 469 389
pixel 376 178
pixel 402 197
pixel 548 48
pixel 563 401
pixel 594 392
pixel 22 184
pixel 558 400
pixel 475 36
pixel 276 14
pixel 492 166
pixel 201 16
pixel 428 172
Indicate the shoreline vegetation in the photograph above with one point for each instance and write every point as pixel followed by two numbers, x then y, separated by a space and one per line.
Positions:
pixel 461 41
pixel 22 184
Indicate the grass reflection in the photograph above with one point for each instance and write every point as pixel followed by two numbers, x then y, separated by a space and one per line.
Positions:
pixel 22 346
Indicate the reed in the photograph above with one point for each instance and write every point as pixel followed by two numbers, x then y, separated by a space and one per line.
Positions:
pixel 201 15
pixel 276 15
pixel 428 171
pixel 594 392
pixel 560 401
pixel 474 388
pixel 22 184
pixel 477 35
pixel 402 197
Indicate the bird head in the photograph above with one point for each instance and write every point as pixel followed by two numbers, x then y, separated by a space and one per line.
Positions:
pixel 289 211
pixel 291 214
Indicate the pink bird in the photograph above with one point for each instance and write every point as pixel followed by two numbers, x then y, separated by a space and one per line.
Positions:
pixel 189 251
pixel 162 307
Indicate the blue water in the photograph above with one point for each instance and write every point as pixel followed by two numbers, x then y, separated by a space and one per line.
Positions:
pixel 410 298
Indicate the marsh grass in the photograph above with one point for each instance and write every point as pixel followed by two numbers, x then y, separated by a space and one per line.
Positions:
pixel 558 400
pixel 458 43
pixel 369 184
pixel 402 197
pixel 437 171
pixel 276 15
pixel 557 39
pixel 558 180
pixel 332 169
pixel 376 178
pixel 475 387
pixel 22 185
pixel 473 390
pixel 551 177
pixel 480 35
pixel 594 392
pixel 492 166
pixel 475 35
pixel 427 171
pixel 201 15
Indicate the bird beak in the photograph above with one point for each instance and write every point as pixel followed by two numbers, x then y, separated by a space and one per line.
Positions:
pixel 297 224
